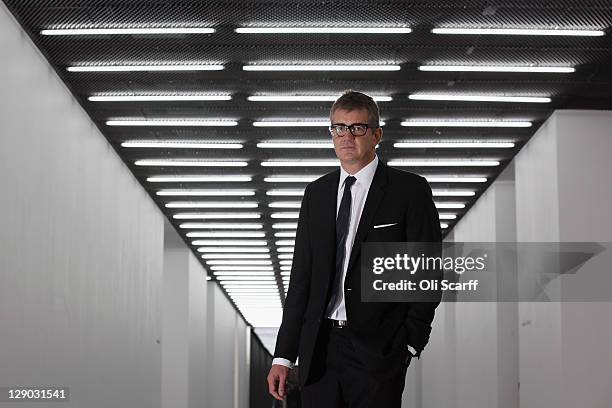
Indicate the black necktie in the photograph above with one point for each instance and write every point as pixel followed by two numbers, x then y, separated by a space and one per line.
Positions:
pixel 342 226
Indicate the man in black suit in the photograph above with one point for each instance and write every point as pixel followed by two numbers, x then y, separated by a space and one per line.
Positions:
pixel 352 353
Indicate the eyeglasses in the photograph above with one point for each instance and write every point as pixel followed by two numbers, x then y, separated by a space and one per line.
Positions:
pixel 356 129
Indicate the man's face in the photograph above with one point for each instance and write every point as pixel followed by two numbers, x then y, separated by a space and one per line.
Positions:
pixel 355 150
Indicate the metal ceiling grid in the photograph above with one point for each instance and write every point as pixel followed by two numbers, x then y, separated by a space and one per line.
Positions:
pixel 590 86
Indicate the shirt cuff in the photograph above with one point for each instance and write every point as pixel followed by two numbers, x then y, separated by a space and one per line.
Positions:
pixel 283 362
pixel 411 350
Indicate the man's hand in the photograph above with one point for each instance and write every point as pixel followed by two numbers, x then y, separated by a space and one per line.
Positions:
pixel 276 380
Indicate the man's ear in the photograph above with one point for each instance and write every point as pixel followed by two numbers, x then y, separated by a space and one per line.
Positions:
pixel 378 135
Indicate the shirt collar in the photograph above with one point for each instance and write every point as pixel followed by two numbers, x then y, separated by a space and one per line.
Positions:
pixel 365 175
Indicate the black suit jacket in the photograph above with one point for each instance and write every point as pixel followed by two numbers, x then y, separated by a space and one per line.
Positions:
pixel 380 332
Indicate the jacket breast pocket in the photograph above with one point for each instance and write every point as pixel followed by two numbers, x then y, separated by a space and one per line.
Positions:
pixel 386 231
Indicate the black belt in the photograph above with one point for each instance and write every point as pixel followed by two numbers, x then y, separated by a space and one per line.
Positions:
pixel 340 324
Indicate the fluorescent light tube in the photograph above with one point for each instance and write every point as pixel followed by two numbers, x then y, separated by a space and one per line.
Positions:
pixel 323 30
pixel 285 249
pixel 229 242
pixel 129 31
pixel 219 216
pixel 190 163
pixel 466 123
pixel 285 193
pixel 306 98
pixel 241 268
pixel 211 205
pixel 496 68
pixel 285 204
pixel 444 163
pixel 177 144
pixel 450 205
pixel 285 256
pixel 172 122
pixel 220 225
pixel 285 215
pixel 205 193
pixel 198 179
pixel 449 144
pixel 329 67
pixel 284 225
pixel 244 275
pixel 290 179
pixel 157 98
pixel 455 179
pixel 250 278
pixel 225 234
pixel 238 262
pixel 297 123
pixel 518 31
pixel 285 234
pixel 479 98
pixel 145 68
pixel 323 144
pixel 292 123
pixel 233 249
pixel 249 284
pixel 236 256
pixel 300 163
pixel 453 193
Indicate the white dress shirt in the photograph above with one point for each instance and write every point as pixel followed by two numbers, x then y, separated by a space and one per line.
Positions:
pixel 359 193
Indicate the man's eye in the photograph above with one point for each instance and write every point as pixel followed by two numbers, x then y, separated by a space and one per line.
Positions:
pixel 359 128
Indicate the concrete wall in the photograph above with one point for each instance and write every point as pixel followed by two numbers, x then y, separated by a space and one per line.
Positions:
pixel 98 292
pixel 184 325
pixel 553 354
pixel 81 246
pixel 227 370
pixel 563 195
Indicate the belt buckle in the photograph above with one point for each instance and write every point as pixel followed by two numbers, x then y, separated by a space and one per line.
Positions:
pixel 340 324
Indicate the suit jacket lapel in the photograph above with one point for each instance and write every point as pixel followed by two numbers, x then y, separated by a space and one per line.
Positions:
pixel 326 236
pixel 375 196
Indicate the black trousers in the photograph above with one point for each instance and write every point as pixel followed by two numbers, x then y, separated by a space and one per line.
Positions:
pixel 338 379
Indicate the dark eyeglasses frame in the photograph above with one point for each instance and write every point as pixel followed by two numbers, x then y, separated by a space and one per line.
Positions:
pixel 351 129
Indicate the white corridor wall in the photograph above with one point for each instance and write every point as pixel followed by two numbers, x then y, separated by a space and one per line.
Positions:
pixel 81 246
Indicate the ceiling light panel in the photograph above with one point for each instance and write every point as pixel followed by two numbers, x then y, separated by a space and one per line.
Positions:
pixel 466 123
pixel 179 144
pixel 479 98
pixel 324 67
pixel 497 68
pixel 199 179
pixel 215 215
pixel 227 204
pixel 306 98
pixel 205 193
pixel 362 29
pixel 476 144
pixel 519 31
pixel 157 98
pixel 190 163
pixel 186 122
pixel 144 68
pixel 321 144
pixel 128 31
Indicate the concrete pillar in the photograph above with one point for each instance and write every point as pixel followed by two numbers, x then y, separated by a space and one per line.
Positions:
pixel 183 326
pixel 563 194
